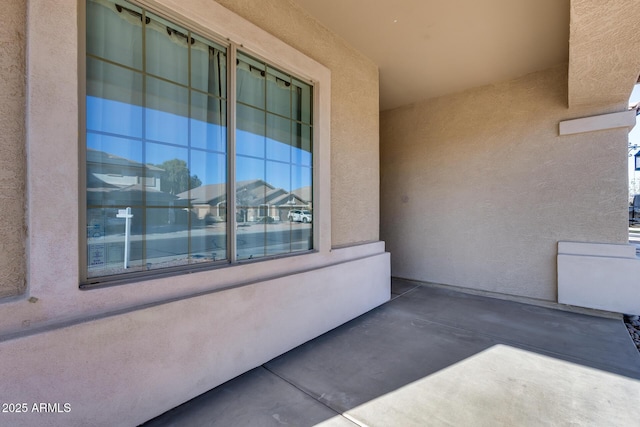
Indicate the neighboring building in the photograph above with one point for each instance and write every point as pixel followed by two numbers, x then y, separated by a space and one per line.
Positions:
pixel 515 186
pixel 114 183
pixel 106 170
pixel 255 199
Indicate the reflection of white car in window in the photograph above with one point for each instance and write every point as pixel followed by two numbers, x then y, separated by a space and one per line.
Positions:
pixel 299 215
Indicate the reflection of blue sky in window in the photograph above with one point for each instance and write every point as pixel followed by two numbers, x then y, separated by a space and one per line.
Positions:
pixel 121 128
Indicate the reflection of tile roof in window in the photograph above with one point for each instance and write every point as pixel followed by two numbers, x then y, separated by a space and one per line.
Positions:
pixel 107 172
pixel 303 193
pixel 250 192
pixel 102 157
pixel 211 193
pixel 253 192
pixel 131 195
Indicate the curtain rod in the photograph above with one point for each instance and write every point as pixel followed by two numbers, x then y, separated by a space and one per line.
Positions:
pixel 132 12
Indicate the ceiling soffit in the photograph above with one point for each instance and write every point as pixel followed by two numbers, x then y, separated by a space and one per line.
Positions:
pixel 429 48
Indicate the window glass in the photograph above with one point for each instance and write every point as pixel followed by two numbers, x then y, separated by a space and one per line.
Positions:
pixel 250 82
pixel 107 20
pixel 274 159
pixel 278 138
pixel 157 144
pixel 208 67
pixel 301 101
pixel 250 135
pixel 278 92
pixel 167 50
pixel 302 147
pixel 156 163
pixel 167 112
pixel 114 99
pixel 207 204
pixel 208 124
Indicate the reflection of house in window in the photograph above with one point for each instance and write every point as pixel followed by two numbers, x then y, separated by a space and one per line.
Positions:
pixel 255 199
pixel 221 209
pixel 105 169
pixel 114 182
pixel 207 201
pixel 304 193
pixel 149 181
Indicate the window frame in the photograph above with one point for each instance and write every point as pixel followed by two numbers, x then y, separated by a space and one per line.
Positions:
pixel 239 38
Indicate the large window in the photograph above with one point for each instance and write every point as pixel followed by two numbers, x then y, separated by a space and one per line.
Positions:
pixel 169 184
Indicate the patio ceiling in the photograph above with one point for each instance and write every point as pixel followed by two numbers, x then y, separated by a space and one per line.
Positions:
pixel 429 48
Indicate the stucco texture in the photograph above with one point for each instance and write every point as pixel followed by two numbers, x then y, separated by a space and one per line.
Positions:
pixel 478 187
pixel 354 114
pixel 12 160
pixel 603 59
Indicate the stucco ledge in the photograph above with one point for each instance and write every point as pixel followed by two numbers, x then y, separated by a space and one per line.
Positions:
pixel 600 276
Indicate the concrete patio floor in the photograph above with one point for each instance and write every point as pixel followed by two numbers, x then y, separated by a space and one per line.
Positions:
pixel 436 357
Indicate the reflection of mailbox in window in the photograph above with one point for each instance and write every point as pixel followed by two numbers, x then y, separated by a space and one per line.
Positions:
pixel 126 214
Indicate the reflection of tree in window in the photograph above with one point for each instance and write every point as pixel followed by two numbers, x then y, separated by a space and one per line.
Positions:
pixel 176 177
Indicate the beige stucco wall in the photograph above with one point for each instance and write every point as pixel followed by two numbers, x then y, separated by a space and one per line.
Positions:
pixel 478 188
pixel 12 147
pixel 193 331
pixel 603 59
pixel 53 105
pixel 354 116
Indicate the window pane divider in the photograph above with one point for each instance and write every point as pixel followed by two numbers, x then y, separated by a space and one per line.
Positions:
pixel 231 154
